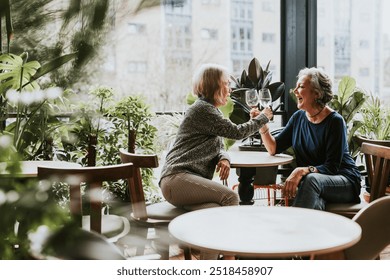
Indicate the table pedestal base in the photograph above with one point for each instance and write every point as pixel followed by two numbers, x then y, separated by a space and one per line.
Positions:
pixel 247 176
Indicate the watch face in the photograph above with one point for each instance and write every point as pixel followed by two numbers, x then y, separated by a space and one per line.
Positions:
pixel 312 169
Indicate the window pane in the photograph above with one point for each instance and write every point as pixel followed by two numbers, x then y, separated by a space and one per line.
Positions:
pixel 354 40
pixel 158 48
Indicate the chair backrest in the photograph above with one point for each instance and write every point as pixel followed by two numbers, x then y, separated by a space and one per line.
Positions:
pixel 93 177
pixel 377 159
pixel 74 243
pixel 136 190
pixel 375 222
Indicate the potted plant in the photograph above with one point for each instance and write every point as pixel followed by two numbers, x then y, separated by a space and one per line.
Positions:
pixel 374 127
pixel 374 122
pixel 132 116
pixel 256 78
pixel 348 101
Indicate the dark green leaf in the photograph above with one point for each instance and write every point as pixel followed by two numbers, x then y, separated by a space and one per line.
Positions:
pixel 255 72
pixel 243 78
pixel 276 89
pixel 54 64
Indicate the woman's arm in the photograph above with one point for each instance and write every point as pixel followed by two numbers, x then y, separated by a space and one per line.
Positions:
pixel 268 140
pixel 209 120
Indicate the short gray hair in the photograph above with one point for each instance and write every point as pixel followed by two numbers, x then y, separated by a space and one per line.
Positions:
pixel 320 82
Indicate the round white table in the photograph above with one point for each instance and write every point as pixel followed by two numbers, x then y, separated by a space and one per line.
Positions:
pixel 240 159
pixel 265 232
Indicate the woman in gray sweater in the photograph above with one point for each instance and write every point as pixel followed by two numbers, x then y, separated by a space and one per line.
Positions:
pixel 186 179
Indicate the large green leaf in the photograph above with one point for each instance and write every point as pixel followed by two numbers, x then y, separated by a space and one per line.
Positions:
pixel 276 89
pixel 255 72
pixel 353 105
pixel 243 78
pixel 15 73
pixel 54 64
pixel 347 86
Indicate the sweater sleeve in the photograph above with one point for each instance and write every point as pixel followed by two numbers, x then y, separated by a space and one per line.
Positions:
pixel 223 127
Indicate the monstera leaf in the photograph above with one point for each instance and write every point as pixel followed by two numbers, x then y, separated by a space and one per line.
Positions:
pixel 15 73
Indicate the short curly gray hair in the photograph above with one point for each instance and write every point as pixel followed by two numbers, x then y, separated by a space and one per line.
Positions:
pixel 320 82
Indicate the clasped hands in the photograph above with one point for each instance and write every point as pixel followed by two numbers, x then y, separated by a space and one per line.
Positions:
pixel 266 111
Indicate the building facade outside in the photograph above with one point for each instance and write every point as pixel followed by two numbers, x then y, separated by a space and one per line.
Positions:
pixel 155 51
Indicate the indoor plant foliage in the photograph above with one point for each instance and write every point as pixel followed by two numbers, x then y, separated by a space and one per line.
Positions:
pixel 132 116
pixel 254 78
pixel 348 100
pixel 88 124
pixel 26 202
pixel 32 106
pixel 135 117
pixel 374 119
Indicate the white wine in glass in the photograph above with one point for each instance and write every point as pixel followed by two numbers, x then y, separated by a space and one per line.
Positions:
pixel 251 97
pixel 265 97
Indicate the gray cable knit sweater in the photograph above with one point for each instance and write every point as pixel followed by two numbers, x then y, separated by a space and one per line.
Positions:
pixel 198 146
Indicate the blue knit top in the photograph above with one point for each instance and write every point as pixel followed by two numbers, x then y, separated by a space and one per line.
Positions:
pixel 323 145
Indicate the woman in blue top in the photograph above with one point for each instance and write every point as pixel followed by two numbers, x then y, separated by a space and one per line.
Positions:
pixel 325 170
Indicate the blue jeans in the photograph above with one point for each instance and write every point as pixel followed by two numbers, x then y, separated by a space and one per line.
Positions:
pixel 316 189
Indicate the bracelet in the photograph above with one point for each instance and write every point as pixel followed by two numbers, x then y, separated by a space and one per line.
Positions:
pixel 265 131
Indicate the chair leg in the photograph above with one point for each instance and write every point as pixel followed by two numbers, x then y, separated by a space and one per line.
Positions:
pixel 141 236
pixel 162 242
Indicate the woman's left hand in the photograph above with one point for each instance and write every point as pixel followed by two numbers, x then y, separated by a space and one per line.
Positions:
pixel 223 167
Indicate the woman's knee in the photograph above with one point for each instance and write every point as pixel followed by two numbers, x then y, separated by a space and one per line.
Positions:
pixel 311 183
pixel 230 199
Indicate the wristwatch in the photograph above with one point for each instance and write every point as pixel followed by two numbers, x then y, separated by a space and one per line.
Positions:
pixel 312 169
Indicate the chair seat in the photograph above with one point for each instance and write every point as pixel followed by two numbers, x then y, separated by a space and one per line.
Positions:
pixel 345 207
pixel 163 211
pixel 113 226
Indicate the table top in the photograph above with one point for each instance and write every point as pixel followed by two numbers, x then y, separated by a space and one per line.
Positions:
pixel 29 169
pixel 265 232
pixel 257 159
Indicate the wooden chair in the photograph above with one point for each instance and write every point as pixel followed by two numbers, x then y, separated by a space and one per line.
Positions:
pixel 111 226
pixel 377 159
pixel 157 215
pixel 71 242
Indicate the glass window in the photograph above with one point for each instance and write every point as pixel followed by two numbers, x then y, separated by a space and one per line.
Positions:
pixel 268 6
pixel 137 67
pixel 209 33
pixel 135 28
pixel 364 44
pixel 268 38
pixel 361 45
pixel 173 38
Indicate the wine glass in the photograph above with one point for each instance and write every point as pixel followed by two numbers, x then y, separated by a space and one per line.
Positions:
pixel 265 98
pixel 251 98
